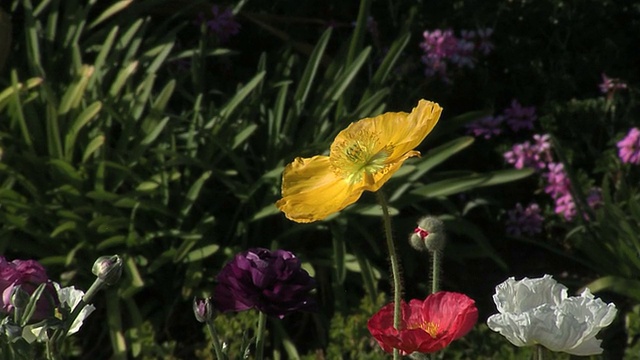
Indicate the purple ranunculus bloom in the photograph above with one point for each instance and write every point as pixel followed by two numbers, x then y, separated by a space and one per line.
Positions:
pixel 629 147
pixel 526 221
pixel 519 117
pixel 28 274
pixel 272 282
pixel 487 127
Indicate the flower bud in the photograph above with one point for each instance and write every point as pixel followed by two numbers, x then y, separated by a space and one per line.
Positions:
pixel 19 298
pixel 108 269
pixel 202 309
pixel 429 235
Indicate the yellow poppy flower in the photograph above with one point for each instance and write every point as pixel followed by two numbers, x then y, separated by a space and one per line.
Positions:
pixel 362 157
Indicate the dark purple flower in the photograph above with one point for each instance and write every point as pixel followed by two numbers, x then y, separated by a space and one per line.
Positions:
pixel 524 220
pixel 28 275
pixel 485 46
pixel 222 23
pixel 487 127
pixel 519 117
pixel 270 281
pixel 629 147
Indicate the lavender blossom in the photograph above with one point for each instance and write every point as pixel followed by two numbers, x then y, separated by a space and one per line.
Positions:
pixel 270 281
pixel 519 117
pixel 524 221
pixel 629 147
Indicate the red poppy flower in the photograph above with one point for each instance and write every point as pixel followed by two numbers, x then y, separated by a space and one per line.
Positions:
pixel 427 326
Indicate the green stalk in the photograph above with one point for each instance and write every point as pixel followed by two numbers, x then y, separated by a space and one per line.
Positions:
pixel 260 334
pixel 395 267
pixel 215 340
pixel 435 272
pixel 539 352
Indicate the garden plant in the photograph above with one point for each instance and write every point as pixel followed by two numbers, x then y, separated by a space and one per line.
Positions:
pixel 187 179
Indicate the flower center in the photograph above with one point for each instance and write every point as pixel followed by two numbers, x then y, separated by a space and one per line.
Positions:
pixel 356 157
pixel 429 327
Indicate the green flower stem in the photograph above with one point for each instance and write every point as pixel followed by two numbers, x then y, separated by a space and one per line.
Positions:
pixel 215 340
pixel 262 325
pixel 435 272
pixel 539 352
pixel 395 267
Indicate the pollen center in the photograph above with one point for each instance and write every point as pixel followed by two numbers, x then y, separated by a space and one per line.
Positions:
pixel 359 157
pixel 429 327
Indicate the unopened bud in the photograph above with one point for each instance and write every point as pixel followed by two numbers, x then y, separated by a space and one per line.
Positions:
pixel 108 269
pixel 202 309
pixel 19 298
pixel 429 235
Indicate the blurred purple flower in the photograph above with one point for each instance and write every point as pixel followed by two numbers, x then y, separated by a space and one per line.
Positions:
pixel 594 198
pixel 271 282
pixel 519 117
pixel 611 85
pixel 222 23
pixel 28 275
pixel 487 127
pixel 629 147
pixel 565 206
pixel 557 181
pixel 485 46
pixel 527 221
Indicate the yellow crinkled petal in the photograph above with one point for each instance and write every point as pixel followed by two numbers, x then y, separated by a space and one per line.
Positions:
pixel 406 131
pixel 311 191
pixel 397 132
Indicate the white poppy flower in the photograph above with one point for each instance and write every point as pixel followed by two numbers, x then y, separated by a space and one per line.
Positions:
pixel 69 297
pixel 538 311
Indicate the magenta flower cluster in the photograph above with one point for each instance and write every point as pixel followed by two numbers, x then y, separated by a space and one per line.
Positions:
pixel 629 147
pixel 272 282
pixel 442 49
pixel 524 221
pixel 516 116
pixel 27 275
pixel 536 154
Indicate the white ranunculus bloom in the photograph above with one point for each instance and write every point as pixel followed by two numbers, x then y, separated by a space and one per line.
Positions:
pixel 538 311
pixel 69 297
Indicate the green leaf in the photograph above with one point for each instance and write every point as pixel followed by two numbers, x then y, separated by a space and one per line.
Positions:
pixel 240 95
pixel 465 183
pixel 109 12
pixel 92 147
pixel 304 85
pixel 437 156
pixel 75 92
pixel 85 116
pixel 201 253
pixel 622 286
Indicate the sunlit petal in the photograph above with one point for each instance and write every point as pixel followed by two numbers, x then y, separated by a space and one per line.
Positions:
pixel 311 191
